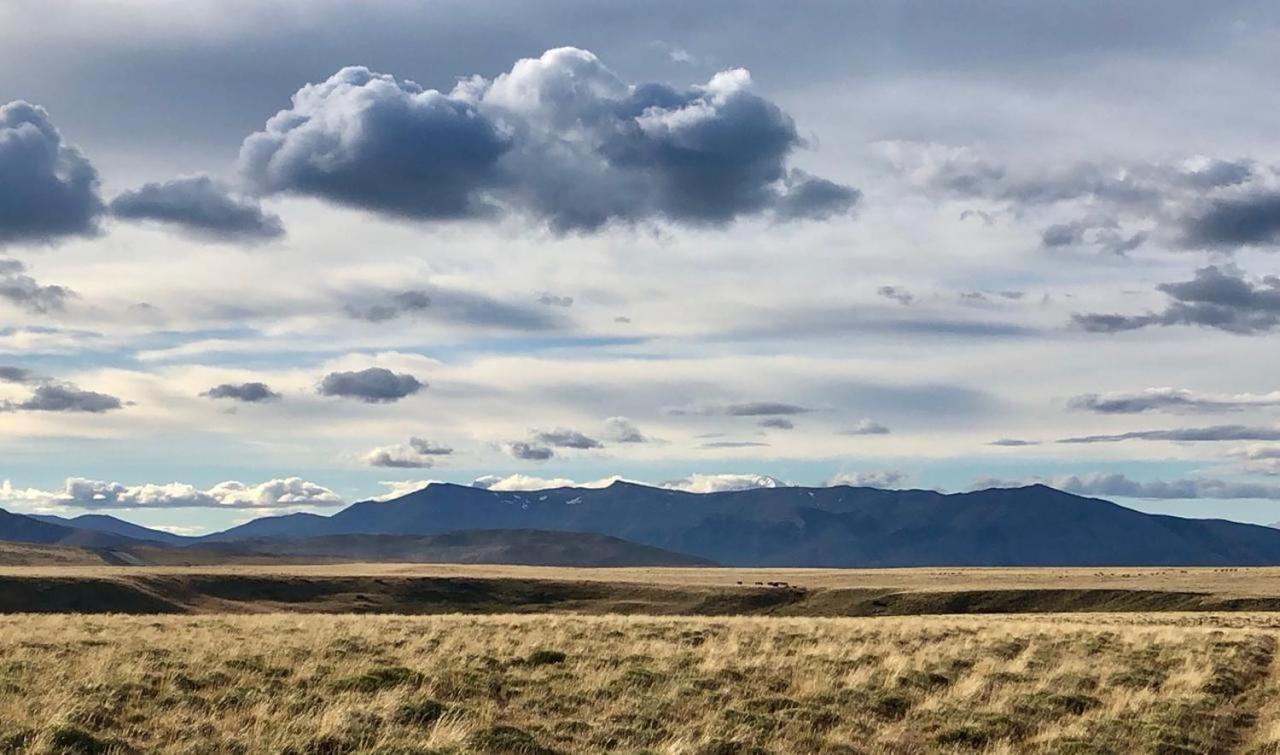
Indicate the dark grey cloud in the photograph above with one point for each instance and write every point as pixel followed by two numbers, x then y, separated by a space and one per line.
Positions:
pixel 1193 203
pixel 250 393
pixel 199 206
pixel 453 306
pixel 762 408
pixel 822 321
pixel 1013 442
pixel 24 292
pixel 1229 223
pixel 734 444
pixel 1168 399
pixel 966 174
pixel 560 138
pixel 395 305
pixel 417 454
pixel 48 190
pixel 898 294
pixel 562 437
pixel 623 430
pixel 1063 234
pixel 375 385
pixel 811 198
pixel 1219 298
pixel 17 375
pixel 529 451
pixel 777 423
pixel 1104 234
pixel 65 397
pixel 1192 488
pixel 866 427
pixel 745 409
pixel 1215 433
pixel 552 300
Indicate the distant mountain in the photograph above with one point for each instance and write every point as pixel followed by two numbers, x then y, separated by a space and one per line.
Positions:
pixel 113 526
pixel 832 526
pixel 531 547
pixel 286 526
pixel 20 528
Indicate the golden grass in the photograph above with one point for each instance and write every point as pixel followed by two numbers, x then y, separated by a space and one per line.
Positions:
pixel 1162 683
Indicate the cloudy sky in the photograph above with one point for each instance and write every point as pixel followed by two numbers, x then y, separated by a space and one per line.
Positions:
pixel 270 256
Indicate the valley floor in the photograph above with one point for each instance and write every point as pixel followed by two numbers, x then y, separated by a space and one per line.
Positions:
pixel 1160 683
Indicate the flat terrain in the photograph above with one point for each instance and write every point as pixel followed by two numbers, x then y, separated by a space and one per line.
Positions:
pixel 1166 683
pixel 438 589
pixel 1242 581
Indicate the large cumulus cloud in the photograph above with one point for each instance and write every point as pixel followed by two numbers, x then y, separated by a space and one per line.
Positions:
pixel 560 138
pixel 80 493
pixel 48 189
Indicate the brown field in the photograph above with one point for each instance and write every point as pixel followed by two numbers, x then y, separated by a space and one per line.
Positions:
pixel 1230 581
pixel 437 589
pixel 510 660
pixel 1166 683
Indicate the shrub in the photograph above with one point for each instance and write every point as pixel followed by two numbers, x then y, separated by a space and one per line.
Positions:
pixel 545 657
pixel 379 679
pixel 70 740
pixel 506 740
pixel 420 713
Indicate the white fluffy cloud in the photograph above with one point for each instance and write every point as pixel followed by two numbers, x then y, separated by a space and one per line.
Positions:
pixel 529 482
pixel 888 478
pixel 720 483
pixel 694 483
pixel 80 493
pixel 1114 484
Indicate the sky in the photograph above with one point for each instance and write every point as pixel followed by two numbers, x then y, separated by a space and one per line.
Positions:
pixel 271 256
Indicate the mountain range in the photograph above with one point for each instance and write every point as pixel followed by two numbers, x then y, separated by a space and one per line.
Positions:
pixel 837 526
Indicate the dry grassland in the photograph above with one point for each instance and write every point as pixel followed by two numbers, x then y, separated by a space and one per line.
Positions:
pixel 1158 683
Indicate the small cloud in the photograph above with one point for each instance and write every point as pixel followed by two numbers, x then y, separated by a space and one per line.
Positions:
pixel 1215 433
pixel 375 385
pixel 17 375
pixel 734 444
pixel 199 206
pixel 551 300
pixel 777 423
pixel 528 451
pixel 866 427
pixel 250 393
pixel 24 292
pixel 1218 298
pixel 623 430
pixel 1013 442
pixel 898 294
pixel 416 454
pixel 64 397
pixel 1171 400
pixel 562 437
pixel 876 479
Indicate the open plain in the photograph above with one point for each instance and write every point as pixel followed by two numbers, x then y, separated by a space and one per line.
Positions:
pixel 292 659
pixel 1158 683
